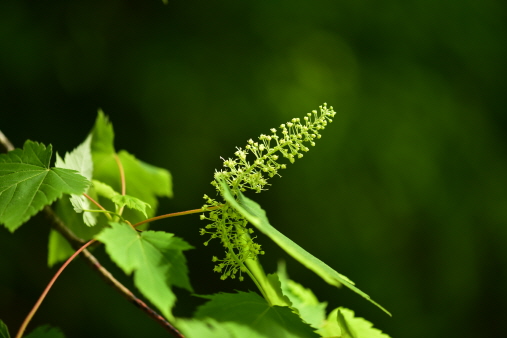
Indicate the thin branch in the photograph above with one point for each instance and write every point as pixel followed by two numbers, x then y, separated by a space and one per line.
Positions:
pixel 76 243
pixel 174 214
pixel 5 144
pixel 48 287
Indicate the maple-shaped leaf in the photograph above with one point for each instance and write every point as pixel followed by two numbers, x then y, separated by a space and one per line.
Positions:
pixel 302 299
pixel 27 183
pixel 80 159
pixel 357 327
pixel 210 328
pixel 131 202
pixel 342 323
pixel 253 212
pixel 156 259
pixel 248 308
pixel 143 181
pixel 120 200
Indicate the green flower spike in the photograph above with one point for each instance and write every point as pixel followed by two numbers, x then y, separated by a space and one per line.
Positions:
pixel 252 172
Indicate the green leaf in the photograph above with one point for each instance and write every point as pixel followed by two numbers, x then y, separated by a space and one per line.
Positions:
pixel 143 181
pixel 156 259
pixel 303 300
pixel 248 308
pixel 103 189
pixel 280 298
pixel 45 331
pixel 4 332
pixel 102 136
pixel 131 202
pixel 257 216
pixel 331 327
pixel 120 200
pixel 210 328
pixel 80 159
pixel 27 184
pixel 356 327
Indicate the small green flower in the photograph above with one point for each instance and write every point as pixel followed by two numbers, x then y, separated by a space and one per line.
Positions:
pixel 251 169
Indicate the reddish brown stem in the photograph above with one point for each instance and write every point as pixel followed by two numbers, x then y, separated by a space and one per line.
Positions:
pixel 174 214
pixel 98 205
pixel 48 287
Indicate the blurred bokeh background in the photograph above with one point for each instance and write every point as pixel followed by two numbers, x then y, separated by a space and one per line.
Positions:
pixel 405 193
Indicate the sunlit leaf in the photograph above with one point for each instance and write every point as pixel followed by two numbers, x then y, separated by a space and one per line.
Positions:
pixel 143 181
pixel 80 159
pixel 304 300
pixel 356 327
pixel 156 259
pixel 257 216
pixel 131 202
pixel 120 200
pixel 248 308
pixel 103 189
pixel 331 327
pixel 27 184
pixel 210 328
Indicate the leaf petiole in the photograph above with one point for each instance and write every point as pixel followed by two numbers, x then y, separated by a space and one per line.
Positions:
pixel 98 205
pixel 174 214
pixel 48 287
pixel 106 212
pixel 122 179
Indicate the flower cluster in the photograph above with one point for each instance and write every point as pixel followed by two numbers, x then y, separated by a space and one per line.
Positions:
pixel 231 228
pixel 243 173
pixel 291 144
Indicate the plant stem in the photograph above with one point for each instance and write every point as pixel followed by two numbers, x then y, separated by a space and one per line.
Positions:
pixel 98 205
pixel 122 179
pixel 5 144
pixel 174 214
pixel 256 272
pixel 48 287
pixel 122 174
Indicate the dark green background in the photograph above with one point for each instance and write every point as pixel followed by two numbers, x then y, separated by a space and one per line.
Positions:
pixel 405 193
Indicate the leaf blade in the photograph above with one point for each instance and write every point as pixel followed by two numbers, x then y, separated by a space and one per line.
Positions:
pixel 248 308
pixel 210 328
pixel 257 216
pixel 80 159
pixel 27 184
pixel 156 259
pixel 143 181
